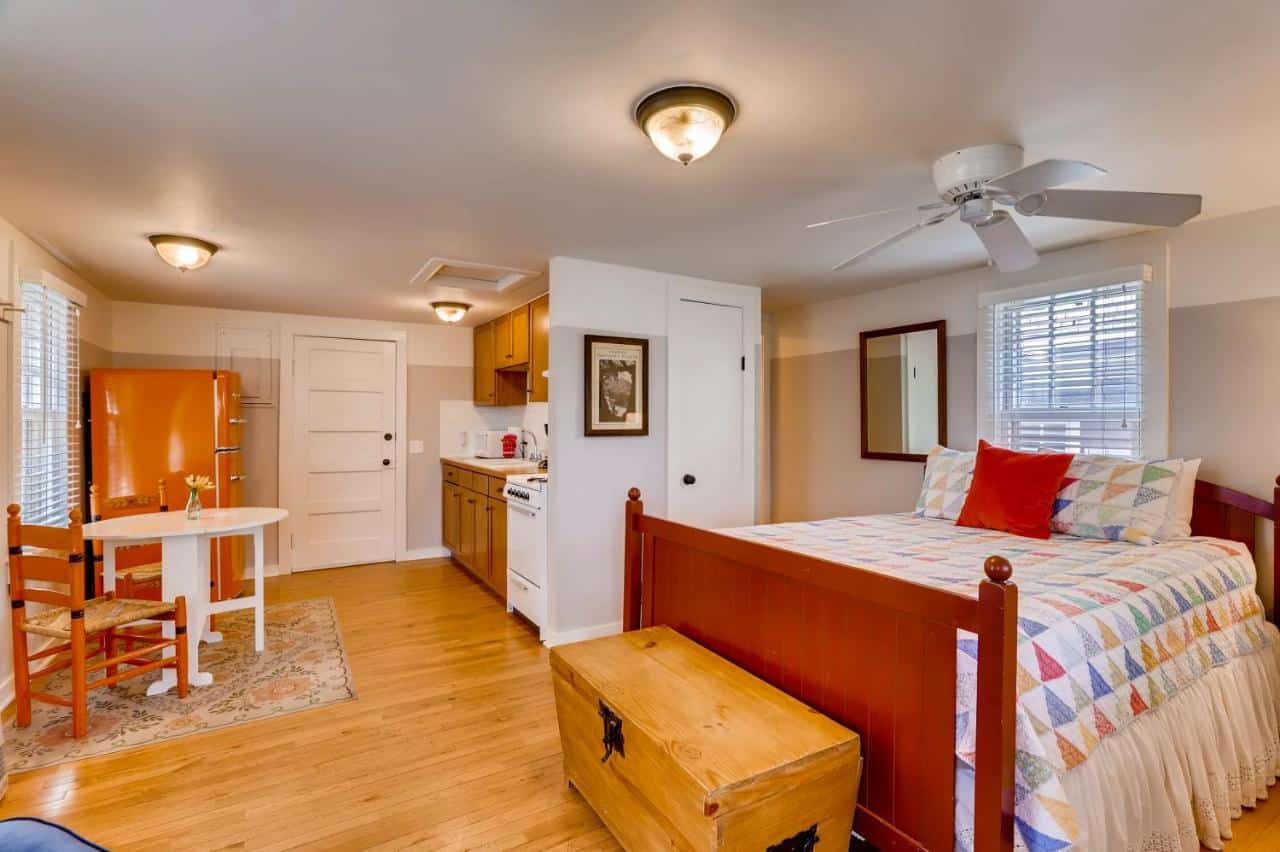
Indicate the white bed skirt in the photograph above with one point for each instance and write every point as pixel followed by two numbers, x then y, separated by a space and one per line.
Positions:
pixel 1176 776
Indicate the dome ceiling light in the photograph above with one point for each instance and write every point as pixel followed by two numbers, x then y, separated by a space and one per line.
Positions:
pixel 182 253
pixel 450 312
pixel 685 122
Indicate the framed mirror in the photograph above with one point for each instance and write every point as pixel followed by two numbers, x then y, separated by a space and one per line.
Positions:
pixel 903 390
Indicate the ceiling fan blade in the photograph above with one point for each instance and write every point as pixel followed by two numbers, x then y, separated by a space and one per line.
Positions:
pixel 1038 177
pixel 937 205
pixel 1138 208
pixel 901 235
pixel 1005 242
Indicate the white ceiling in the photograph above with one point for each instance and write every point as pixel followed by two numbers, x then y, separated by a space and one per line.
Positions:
pixel 332 147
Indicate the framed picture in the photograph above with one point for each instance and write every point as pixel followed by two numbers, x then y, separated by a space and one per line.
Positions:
pixel 617 385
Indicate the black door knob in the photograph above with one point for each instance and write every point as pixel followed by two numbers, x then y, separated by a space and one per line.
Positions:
pixel 387 436
pixel 689 479
pixel 386 462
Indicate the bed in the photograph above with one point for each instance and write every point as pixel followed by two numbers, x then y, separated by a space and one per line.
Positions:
pixel 993 717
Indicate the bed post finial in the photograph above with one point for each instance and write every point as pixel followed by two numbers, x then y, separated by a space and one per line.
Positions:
pixel 997 569
pixel 634 564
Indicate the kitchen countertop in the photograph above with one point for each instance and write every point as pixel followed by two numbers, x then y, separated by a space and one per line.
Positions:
pixel 490 467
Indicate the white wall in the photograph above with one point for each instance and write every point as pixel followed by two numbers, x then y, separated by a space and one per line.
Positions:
pixel 591 476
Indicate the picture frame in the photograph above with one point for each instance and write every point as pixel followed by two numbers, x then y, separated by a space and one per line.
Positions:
pixel 616 386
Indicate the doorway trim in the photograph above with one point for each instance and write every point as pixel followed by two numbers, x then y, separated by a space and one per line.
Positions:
pixel 290 330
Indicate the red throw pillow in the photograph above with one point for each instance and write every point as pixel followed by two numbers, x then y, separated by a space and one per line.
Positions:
pixel 1013 491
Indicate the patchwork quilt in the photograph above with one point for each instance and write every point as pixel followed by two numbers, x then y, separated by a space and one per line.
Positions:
pixel 1107 631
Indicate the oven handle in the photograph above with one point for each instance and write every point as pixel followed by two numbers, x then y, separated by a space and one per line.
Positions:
pixel 531 513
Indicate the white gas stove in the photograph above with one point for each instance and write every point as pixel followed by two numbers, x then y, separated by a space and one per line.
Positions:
pixel 527 546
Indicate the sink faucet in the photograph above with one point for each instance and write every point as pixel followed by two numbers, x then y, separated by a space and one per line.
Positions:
pixel 524 444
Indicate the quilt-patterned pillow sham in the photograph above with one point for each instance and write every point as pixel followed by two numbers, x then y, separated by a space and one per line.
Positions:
pixel 947 476
pixel 1116 499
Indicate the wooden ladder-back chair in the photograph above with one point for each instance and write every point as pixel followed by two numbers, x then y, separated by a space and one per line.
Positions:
pixel 138 569
pixel 56 555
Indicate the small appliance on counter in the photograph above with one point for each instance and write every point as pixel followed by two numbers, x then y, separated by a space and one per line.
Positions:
pixel 489 443
pixel 527 546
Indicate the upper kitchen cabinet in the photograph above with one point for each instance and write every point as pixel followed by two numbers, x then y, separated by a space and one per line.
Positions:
pixel 539 348
pixel 511 356
pixel 511 339
pixel 249 352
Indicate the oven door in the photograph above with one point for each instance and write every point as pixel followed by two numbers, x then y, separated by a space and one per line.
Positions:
pixel 526 542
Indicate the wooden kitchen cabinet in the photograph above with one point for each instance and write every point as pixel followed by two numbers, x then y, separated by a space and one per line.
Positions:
pixel 452 516
pixel 539 348
pixel 466 552
pixel 498 546
pixel 504 356
pixel 484 368
pixel 475 525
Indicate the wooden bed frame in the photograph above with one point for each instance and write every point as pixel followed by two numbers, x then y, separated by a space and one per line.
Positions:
pixel 873 651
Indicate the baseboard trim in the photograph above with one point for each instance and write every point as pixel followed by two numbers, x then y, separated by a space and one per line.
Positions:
pixel 437 552
pixel 274 570
pixel 582 634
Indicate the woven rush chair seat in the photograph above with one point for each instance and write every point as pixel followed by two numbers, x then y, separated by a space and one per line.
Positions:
pixel 147 573
pixel 99 614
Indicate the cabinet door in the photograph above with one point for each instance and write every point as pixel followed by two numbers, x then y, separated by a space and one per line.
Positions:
pixel 480 566
pixel 498 546
pixel 502 341
pixel 249 352
pixel 520 335
pixel 484 366
pixel 466 553
pixel 539 348
pixel 452 516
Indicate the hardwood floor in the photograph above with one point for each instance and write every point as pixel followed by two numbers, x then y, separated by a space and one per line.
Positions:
pixel 452 744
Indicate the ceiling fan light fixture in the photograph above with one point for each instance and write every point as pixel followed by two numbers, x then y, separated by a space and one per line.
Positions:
pixel 450 312
pixel 183 253
pixel 685 122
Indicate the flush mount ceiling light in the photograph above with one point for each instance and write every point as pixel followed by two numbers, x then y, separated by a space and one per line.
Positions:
pixel 182 253
pixel 450 311
pixel 685 122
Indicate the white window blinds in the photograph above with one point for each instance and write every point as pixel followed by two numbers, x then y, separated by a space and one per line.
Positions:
pixel 1065 371
pixel 48 469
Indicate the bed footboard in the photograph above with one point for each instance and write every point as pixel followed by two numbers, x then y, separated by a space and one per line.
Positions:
pixel 872 651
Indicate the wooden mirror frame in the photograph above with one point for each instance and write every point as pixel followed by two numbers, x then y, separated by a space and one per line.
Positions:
pixel 940 326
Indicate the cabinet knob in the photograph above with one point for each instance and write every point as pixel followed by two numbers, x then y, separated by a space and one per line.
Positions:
pixel 689 479
pixel 386 436
pixel 386 462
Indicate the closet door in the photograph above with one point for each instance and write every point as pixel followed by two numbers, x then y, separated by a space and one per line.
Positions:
pixel 707 451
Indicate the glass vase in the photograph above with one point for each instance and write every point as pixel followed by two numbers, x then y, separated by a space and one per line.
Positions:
pixel 193 505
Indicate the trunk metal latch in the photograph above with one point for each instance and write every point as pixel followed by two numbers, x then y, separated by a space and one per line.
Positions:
pixel 612 738
pixel 802 842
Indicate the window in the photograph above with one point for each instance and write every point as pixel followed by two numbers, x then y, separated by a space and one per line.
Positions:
pixel 1065 368
pixel 48 469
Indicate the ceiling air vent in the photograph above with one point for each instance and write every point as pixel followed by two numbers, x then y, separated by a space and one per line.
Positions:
pixel 469 275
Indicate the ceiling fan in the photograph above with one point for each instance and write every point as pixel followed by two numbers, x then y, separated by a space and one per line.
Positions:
pixel 972 181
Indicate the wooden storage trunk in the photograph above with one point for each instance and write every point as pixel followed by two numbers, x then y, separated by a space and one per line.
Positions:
pixel 676 748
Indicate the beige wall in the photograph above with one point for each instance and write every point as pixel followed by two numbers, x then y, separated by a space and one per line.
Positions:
pixel 176 337
pixel 1221 278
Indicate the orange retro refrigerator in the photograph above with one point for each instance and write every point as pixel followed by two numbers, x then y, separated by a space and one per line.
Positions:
pixel 148 425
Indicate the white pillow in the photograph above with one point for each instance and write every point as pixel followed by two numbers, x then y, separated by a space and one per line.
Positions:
pixel 947 476
pixel 1177 522
pixel 1138 500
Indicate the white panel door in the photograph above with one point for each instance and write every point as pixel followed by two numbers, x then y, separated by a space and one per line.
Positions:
pixel 705 442
pixel 345 451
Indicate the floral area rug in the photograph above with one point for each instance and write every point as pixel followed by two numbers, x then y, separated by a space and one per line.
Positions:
pixel 304 666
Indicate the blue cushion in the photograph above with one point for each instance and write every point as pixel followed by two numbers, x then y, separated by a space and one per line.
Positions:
pixel 27 834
